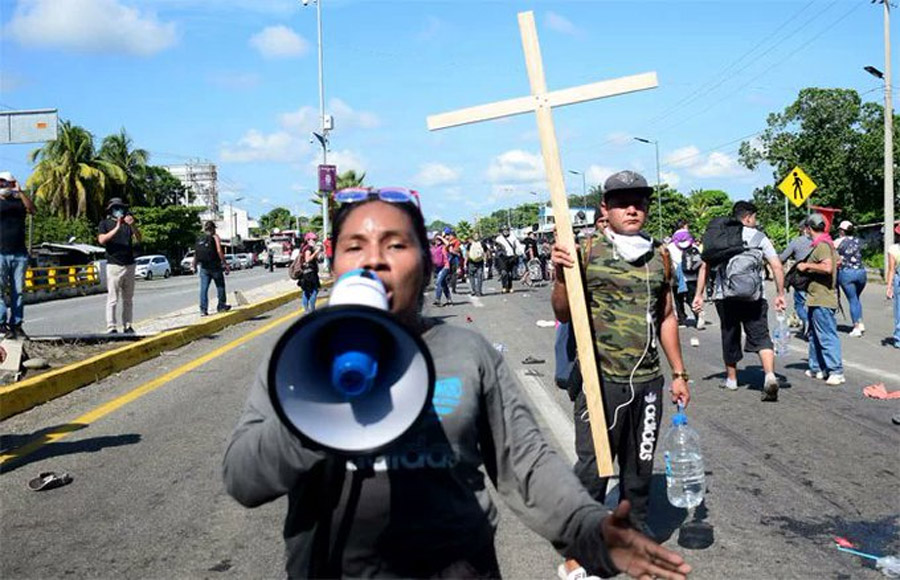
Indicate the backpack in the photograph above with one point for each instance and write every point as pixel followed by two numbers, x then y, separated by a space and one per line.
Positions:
pixel 296 267
pixel 691 260
pixel 476 252
pixel 205 251
pixel 743 273
pixel 722 240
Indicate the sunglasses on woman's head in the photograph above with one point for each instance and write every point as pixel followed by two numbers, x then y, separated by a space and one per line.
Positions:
pixel 388 194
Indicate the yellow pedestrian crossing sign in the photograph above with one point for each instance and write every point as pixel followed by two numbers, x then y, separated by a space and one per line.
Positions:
pixel 797 186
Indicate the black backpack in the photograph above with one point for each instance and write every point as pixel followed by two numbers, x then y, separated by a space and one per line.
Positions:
pixel 722 240
pixel 205 251
pixel 691 260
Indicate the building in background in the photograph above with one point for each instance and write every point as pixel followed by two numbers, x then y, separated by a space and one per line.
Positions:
pixel 201 179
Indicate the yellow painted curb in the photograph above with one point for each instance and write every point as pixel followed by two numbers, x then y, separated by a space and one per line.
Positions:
pixel 29 393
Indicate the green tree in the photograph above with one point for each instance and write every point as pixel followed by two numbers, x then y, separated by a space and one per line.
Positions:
pixel 704 205
pixel 463 229
pixel 169 231
pixel 438 226
pixel 157 187
pixel 119 149
pixel 837 140
pixel 70 176
pixel 48 227
pixel 280 217
pixel 350 178
pixel 674 208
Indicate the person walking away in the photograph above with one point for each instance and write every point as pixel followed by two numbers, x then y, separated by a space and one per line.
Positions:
pixel 893 283
pixel 544 250
pixel 440 263
pixel 739 291
pixel 309 272
pixel 507 249
pixel 454 257
pixel 822 302
pixel 476 256
pixel 627 285
pixel 531 253
pixel 851 274
pixel 210 265
pixel 686 263
pixel 270 260
pixel 14 206
pixel 119 234
pixel 798 250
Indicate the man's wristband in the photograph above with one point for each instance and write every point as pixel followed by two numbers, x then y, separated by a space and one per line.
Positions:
pixel 682 375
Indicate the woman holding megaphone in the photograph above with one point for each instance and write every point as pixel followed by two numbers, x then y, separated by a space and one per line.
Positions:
pixel 414 505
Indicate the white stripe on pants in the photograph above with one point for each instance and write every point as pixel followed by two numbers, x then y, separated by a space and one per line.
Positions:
pixel 119 286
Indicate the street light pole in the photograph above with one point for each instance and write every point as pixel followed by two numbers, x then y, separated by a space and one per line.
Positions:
pixel 658 185
pixel 323 136
pixel 888 138
pixel 583 186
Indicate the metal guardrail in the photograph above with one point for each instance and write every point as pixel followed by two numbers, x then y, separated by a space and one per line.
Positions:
pixel 59 277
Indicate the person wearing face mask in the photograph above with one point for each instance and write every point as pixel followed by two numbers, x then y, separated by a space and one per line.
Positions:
pixel 627 286
pixel 14 206
pixel 421 507
pixel 119 234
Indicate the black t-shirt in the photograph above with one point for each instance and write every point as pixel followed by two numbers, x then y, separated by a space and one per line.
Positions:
pixel 12 226
pixel 531 248
pixel 120 248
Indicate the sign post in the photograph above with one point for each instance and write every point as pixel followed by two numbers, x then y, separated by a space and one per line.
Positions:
pixel 541 102
pixel 797 186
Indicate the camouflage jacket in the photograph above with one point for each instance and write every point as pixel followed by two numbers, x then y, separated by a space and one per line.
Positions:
pixel 618 303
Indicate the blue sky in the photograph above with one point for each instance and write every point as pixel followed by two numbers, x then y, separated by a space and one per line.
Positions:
pixel 235 82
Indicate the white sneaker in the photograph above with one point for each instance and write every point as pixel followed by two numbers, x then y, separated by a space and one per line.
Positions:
pixel 819 374
pixel 576 574
pixel 856 332
pixel 836 379
pixel 862 327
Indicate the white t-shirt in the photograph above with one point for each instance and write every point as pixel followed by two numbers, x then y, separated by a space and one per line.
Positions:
pixel 677 253
pixel 768 251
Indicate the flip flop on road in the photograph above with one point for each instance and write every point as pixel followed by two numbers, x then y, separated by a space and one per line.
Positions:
pixel 49 480
pixel 530 360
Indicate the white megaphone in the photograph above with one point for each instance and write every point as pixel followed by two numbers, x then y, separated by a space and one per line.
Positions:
pixel 349 378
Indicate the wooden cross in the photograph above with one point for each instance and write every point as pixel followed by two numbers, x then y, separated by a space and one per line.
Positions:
pixel 541 102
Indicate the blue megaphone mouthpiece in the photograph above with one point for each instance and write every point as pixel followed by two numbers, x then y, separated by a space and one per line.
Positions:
pixel 353 372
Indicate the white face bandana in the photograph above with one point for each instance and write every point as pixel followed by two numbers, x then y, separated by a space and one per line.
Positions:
pixel 630 248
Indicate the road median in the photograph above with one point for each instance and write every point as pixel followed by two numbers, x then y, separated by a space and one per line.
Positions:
pixel 27 394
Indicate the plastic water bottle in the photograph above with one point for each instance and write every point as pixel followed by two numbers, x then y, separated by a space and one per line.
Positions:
pixel 685 478
pixel 781 335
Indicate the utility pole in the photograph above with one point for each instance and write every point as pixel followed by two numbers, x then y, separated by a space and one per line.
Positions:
pixel 888 137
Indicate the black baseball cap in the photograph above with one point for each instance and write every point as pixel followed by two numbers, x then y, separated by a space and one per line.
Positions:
pixel 626 181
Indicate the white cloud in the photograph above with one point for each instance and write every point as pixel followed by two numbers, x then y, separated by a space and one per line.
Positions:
pixel 698 164
pixel 670 177
pixel 255 146
pixel 306 118
pixel 345 160
pixel 90 26
pixel 597 174
pixel 619 139
pixel 432 174
pixel 279 42
pixel 683 157
pixel 346 117
pixel 516 166
pixel 560 24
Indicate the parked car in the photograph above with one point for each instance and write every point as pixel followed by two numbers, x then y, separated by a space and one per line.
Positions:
pixel 232 261
pixel 147 267
pixel 186 262
pixel 245 260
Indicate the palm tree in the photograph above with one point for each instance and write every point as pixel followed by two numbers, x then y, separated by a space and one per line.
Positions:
pixel 350 178
pixel 118 149
pixel 70 176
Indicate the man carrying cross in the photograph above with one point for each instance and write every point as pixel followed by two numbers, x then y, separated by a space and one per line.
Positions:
pixel 627 281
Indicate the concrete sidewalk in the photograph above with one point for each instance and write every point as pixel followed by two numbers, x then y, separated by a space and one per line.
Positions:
pixel 156 335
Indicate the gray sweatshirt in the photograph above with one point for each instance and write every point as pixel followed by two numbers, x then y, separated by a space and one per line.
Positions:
pixel 422 506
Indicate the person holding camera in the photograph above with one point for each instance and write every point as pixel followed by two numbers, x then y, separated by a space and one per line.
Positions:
pixel 119 234
pixel 14 205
